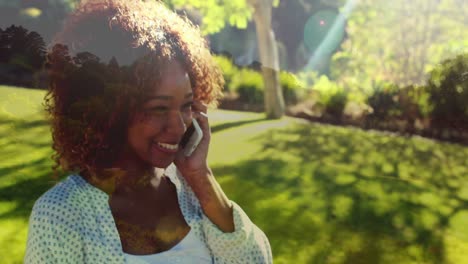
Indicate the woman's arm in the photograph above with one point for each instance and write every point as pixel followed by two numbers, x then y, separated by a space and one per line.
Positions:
pixel 243 243
pixel 230 234
pixel 214 202
pixel 195 170
pixel 246 244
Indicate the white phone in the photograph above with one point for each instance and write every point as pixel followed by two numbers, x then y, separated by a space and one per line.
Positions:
pixel 192 138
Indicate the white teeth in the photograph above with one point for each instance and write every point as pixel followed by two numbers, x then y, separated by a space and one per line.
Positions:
pixel 168 146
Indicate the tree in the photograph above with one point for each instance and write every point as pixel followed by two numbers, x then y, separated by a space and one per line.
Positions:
pixel 274 102
pixel 400 41
pixel 448 90
pixel 239 13
pixel 22 54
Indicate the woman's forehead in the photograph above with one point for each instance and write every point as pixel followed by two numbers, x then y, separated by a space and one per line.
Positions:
pixel 174 72
pixel 174 81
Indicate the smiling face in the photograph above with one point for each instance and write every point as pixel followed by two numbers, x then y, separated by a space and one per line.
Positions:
pixel 153 136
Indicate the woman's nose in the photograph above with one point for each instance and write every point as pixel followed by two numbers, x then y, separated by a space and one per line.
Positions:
pixel 176 123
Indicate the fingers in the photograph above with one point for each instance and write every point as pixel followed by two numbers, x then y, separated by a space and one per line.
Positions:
pixel 202 119
pixel 198 159
pixel 200 107
pixel 200 113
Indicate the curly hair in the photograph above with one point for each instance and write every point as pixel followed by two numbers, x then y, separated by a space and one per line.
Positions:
pixel 101 66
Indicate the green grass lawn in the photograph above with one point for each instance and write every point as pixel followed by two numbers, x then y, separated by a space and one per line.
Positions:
pixel 322 194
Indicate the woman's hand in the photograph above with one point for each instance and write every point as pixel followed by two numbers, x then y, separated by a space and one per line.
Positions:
pixel 194 168
pixel 196 165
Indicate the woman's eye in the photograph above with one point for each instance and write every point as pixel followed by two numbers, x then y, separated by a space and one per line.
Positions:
pixel 156 110
pixel 187 106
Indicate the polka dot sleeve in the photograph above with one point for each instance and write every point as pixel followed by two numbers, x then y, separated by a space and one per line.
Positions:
pixel 247 244
pixel 51 238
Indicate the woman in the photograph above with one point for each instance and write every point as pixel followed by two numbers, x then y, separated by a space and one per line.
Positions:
pixel 126 80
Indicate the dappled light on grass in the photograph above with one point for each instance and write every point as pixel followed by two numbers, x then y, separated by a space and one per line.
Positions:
pixel 340 195
pixel 25 174
pixel 25 166
pixel 12 234
pixel 26 163
pixel 16 102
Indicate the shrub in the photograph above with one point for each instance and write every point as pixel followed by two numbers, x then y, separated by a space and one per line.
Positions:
pixel 336 104
pixel 248 84
pixel 332 97
pixel 384 101
pixel 228 68
pixel 291 87
pixel 420 97
pixel 413 102
pixel 448 93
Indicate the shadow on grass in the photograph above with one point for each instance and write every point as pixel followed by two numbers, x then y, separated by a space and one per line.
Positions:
pixel 24 176
pixel 24 193
pixel 324 194
pixel 221 127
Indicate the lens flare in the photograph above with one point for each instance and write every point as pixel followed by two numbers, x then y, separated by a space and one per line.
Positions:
pixel 31 12
pixel 319 26
pixel 322 39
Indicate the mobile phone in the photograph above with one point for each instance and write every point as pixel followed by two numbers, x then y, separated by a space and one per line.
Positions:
pixel 191 138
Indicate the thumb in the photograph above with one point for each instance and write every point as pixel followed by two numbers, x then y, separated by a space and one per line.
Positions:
pixel 179 158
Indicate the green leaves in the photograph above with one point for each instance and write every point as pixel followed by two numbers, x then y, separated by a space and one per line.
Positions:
pixel 216 13
pixel 238 20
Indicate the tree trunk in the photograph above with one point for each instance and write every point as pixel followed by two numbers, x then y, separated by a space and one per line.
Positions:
pixel 274 102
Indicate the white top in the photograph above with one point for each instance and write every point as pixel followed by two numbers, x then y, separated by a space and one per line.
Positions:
pixel 73 223
pixel 190 250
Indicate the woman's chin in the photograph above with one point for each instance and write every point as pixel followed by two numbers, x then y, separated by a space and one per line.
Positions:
pixel 161 163
pixel 161 160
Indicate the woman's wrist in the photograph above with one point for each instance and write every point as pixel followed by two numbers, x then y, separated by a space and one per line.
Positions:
pixel 213 201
